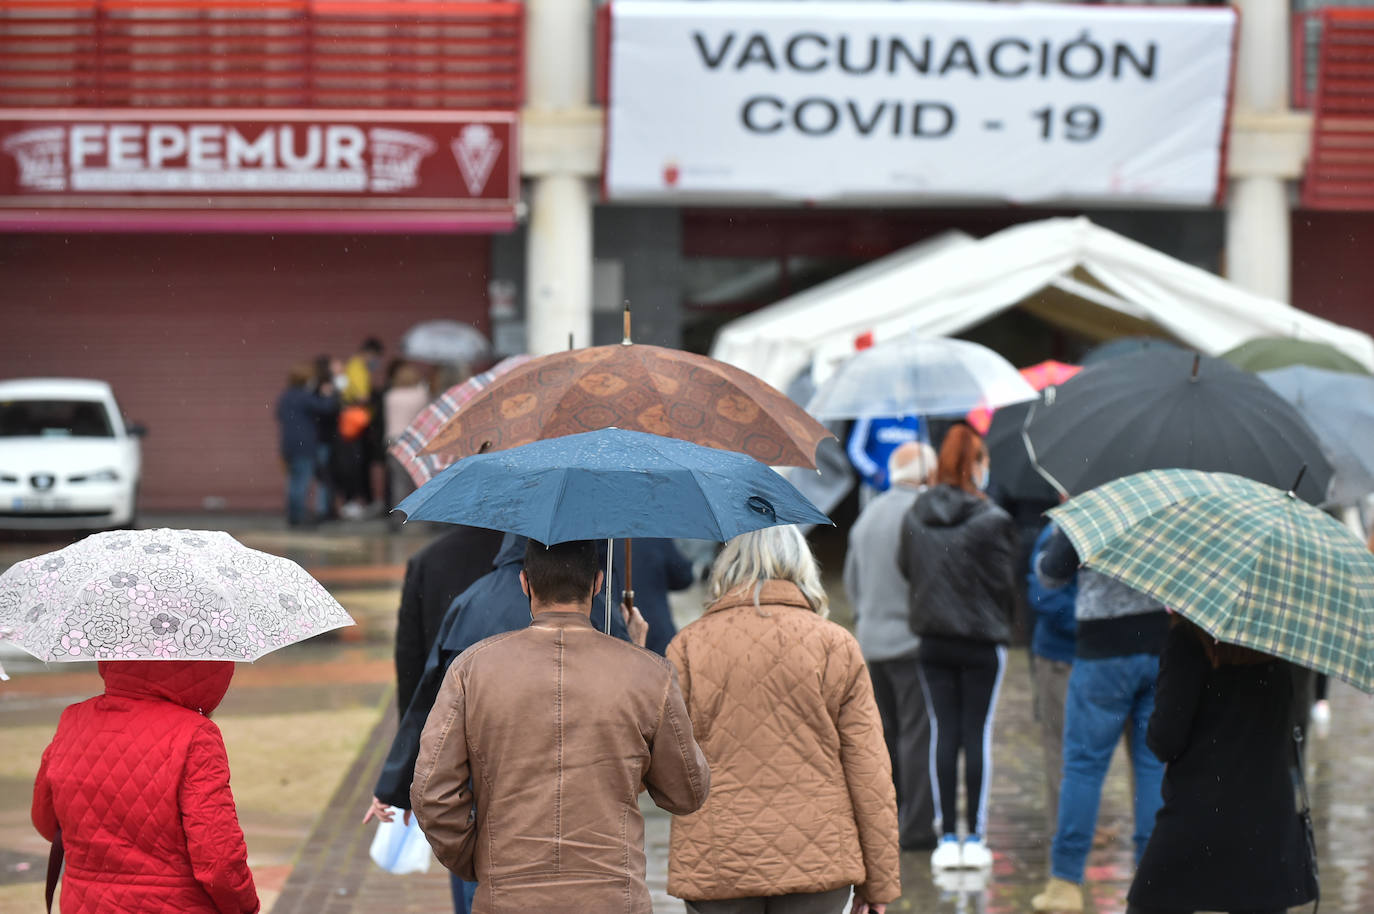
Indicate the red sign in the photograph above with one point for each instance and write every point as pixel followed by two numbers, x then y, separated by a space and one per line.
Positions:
pixel 242 163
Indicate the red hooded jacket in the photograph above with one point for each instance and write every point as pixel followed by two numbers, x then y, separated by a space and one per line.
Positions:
pixel 138 781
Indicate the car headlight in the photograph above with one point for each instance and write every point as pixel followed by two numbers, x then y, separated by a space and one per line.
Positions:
pixel 98 476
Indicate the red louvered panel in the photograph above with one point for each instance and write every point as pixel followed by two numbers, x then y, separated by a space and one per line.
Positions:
pixel 1340 169
pixel 196 333
pixel 261 54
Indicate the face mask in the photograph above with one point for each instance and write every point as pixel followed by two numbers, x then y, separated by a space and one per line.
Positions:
pixel 982 480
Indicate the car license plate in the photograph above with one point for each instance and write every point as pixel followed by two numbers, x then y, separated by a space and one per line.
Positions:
pixel 40 504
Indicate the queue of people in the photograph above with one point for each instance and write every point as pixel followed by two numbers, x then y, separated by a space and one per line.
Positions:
pixel 336 419
pixel 826 754
pixel 1097 673
pixel 797 760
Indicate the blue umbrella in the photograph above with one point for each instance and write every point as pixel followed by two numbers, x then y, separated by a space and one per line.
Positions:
pixel 612 483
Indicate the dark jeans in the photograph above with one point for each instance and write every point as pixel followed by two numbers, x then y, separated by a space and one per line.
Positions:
pixel 831 902
pixel 906 728
pixel 960 680
pixel 299 472
pixel 1105 695
pixel 463 893
pixel 324 480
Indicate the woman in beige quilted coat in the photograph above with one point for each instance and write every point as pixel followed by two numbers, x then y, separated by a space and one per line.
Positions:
pixel 802 806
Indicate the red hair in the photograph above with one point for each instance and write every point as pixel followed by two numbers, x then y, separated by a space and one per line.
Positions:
pixel 959 455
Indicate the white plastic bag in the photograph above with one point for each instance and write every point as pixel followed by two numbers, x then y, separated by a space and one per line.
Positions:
pixel 399 848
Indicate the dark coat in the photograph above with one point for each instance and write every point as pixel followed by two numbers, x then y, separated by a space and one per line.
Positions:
pixel 958 555
pixel 493 605
pixel 299 412
pixel 435 576
pixel 1228 837
pixel 1055 632
pixel 658 568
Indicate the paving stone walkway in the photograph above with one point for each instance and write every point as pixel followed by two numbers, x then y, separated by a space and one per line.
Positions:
pixel 335 876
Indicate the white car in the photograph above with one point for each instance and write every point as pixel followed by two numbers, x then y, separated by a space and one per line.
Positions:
pixel 67 458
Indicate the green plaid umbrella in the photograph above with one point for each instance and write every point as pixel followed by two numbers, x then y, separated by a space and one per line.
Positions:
pixel 1247 563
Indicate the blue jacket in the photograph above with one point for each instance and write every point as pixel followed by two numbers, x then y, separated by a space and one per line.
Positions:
pixel 298 413
pixel 659 568
pixel 1055 629
pixel 491 606
pixel 872 441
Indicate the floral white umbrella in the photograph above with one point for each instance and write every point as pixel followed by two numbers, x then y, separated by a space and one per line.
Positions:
pixel 162 595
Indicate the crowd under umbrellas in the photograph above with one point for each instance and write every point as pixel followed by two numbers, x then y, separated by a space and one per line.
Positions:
pixel 1186 478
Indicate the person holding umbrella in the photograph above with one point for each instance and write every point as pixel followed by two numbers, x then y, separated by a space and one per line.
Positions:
pixel 1259 577
pixel 1227 837
pixel 539 743
pixel 134 788
pixel 958 555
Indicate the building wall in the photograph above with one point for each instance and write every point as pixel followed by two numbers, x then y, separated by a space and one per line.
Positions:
pixel 196 333
pixel 1333 274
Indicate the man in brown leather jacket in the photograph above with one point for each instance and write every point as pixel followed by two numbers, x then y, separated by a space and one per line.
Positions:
pixel 540 741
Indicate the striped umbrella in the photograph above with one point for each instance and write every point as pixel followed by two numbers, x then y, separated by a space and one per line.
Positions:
pixel 1247 563
pixel 423 467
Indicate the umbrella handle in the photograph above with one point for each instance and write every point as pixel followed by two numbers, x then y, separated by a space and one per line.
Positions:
pixel 610 551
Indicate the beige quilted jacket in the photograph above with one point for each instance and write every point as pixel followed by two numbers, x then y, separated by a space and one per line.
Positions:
pixel 801 788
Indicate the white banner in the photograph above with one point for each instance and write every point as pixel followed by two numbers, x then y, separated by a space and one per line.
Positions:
pixel 880 101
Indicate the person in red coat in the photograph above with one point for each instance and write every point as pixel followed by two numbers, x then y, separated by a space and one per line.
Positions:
pixel 137 780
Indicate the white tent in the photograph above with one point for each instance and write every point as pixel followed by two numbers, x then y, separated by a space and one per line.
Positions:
pixel 1069 272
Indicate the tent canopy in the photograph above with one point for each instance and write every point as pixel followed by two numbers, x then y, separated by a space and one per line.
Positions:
pixel 1068 272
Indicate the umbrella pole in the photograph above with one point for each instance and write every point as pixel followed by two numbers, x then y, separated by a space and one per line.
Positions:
pixel 629 595
pixel 610 551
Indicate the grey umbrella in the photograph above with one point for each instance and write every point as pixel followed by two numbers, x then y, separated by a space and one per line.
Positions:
pixel 1340 409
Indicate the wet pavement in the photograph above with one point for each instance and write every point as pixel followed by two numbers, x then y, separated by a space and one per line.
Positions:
pixel 305 728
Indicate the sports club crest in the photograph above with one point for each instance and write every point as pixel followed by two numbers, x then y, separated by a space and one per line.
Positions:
pixel 476 150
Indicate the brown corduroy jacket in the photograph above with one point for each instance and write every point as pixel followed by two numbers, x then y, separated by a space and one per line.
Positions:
pixel 559 727
pixel 801 786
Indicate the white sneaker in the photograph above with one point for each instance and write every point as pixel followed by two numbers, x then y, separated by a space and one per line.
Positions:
pixel 948 856
pixel 975 854
pixel 1321 718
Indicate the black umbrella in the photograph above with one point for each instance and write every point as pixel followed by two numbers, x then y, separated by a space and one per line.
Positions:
pixel 1163 409
pixel 1011 470
pixel 1124 346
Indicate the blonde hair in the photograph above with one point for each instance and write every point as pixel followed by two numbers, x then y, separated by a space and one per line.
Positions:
pixel 770 554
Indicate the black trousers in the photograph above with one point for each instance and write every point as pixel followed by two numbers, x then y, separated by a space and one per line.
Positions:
pixel 906 728
pixel 960 680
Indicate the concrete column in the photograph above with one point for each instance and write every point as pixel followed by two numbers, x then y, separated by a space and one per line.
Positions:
pixel 1259 248
pixel 558 54
pixel 1262 65
pixel 1258 234
pixel 559 264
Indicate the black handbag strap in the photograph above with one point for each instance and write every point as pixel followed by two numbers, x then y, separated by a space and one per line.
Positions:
pixel 54 869
pixel 1305 816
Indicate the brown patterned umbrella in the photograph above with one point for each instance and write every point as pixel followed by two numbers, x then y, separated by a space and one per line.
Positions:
pixel 637 387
